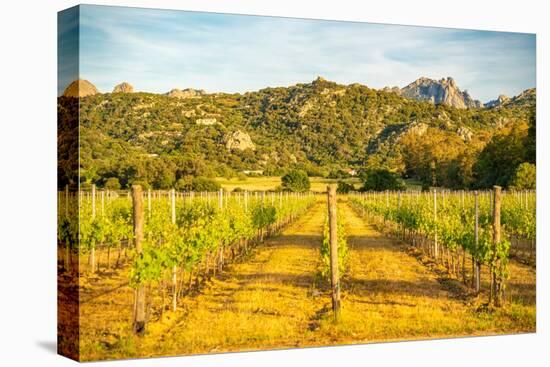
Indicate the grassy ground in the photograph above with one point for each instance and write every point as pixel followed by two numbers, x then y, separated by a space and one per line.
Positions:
pixel 276 299
pixel 389 295
pixel 318 184
pixel 264 303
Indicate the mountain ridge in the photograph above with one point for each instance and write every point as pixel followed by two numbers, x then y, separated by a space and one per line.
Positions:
pixel 443 91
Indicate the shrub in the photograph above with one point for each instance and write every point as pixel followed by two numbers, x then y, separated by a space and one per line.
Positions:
pixel 112 183
pixel 380 180
pixel 525 177
pixel 197 184
pixel 296 181
pixel 344 187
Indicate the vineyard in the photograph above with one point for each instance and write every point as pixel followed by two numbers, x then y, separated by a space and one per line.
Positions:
pixel 454 228
pixel 194 233
pixel 220 270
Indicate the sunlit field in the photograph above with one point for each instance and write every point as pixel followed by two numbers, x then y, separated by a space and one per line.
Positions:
pixel 318 184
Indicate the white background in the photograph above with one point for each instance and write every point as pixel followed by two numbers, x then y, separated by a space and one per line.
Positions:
pixel 28 182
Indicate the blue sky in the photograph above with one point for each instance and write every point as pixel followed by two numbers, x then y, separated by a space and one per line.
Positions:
pixel 157 50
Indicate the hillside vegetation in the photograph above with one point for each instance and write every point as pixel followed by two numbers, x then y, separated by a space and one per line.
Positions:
pixel 320 127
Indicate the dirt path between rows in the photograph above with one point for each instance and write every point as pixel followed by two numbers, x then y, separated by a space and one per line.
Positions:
pixel 265 302
pixel 390 295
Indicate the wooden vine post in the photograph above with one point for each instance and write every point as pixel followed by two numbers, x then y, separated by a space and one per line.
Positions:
pixel 174 268
pixel 333 240
pixel 92 250
pixel 138 323
pixel 102 202
pixel 398 200
pixel 67 201
pixel 477 265
pixel 436 250
pixel 67 248
pixel 220 247
pixel 463 248
pixel 497 279
pixel 149 203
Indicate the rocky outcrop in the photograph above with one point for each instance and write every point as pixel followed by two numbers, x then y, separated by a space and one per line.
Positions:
pixel 526 98
pixel 319 80
pixel 465 133
pixel 80 88
pixel 497 102
pixel 392 134
pixel 444 91
pixel 526 94
pixel 306 107
pixel 206 121
pixel 185 93
pixel 416 128
pixel 238 140
pixel 123 87
pixel 395 90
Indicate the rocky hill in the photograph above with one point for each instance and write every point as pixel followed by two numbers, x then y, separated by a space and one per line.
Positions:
pixel 80 88
pixel 185 93
pixel 502 99
pixel 321 127
pixel 123 87
pixel 444 91
pixel 526 98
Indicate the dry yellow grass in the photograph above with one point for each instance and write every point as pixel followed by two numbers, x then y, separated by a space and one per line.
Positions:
pixel 318 184
pixel 264 303
pixel 389 295
pixel 275 299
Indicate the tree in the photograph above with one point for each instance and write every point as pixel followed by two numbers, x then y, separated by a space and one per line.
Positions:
pixel 429 157
pixel 380 180
pixel 112 183
pixel 386 158
pixel 165 175
pixel 183 184
pixel 344 187
pixel 144 184
pixel 531 139
pixel 197 184
pixel 501 156
pixel 296 181
pixel 525 177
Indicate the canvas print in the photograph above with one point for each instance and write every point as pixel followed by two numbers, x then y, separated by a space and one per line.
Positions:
pixel 237 183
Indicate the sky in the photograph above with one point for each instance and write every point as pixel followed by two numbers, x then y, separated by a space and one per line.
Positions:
pixel 158 50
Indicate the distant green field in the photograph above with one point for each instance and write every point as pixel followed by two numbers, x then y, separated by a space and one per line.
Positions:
pixel 413 184
pixel 318 184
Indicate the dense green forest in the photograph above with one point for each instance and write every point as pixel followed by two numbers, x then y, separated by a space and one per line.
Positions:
pixel 322 128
